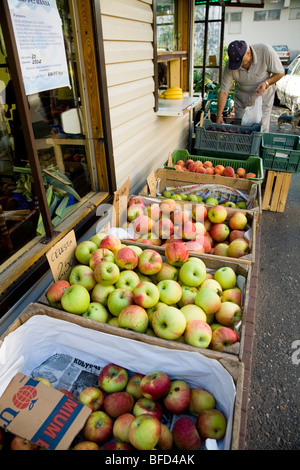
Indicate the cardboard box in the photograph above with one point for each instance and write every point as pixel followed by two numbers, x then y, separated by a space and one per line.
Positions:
pixel 22 351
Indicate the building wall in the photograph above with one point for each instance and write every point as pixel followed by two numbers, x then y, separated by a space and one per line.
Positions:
pixel 283 31
pixel 141 139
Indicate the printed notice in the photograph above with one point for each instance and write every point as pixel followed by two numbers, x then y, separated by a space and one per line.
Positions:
pixel 39 37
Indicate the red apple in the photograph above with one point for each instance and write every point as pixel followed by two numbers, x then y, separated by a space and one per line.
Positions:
pixel 199 213
pixel 241 172
pixel 134 385
pixel 134 211
pixel 222 337
pixel 86 445
pixel 92 397
pixel 147 406
pixel 121 427
pixel 66 392
pixel 111 242
pixel 185 434
pixel 155 385
pixel 135 200
pixel 99 255
pixel 219 232
pixel 126 258
pixel 165 441
pixel 238 248
pixel 234 234
pixel 211 424
pixel 219 169
pixel 179 216
pixel 167 206
pixel 116 446
pixel 164 228
pixel 113 378
pixel 228 171
pixel 154 211
pixel 229 314
pixel 178 397
pixel 18 443
pixel 201 400
pixel 118 403
pixel 55 293
pixel 98 427
pixel 150 262
pixel 238 221
pixel 232 295
pixel 142 224
pixel 176 253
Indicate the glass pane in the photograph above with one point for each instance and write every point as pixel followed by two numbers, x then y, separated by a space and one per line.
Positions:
pixel 165 21
pixel 61 144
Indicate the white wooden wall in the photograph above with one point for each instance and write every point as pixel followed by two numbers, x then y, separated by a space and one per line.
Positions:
pixel 141 139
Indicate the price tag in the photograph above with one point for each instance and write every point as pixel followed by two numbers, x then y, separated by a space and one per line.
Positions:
pixel 152 184
pixel 120 203
pixel 61 257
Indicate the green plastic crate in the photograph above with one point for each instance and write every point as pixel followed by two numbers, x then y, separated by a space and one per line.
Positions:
pixel 213 98
pixel 281 152
pixel 228 139
pixel 252 164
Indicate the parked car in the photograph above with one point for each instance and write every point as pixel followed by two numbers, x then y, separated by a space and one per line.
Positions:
pixel 288 87
pixel 283 53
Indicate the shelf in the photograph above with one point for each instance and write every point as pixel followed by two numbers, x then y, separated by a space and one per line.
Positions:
pixel 177 107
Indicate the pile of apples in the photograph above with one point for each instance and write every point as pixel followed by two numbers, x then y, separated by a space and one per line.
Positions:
pixel 174 298
pixel 129 412
pixel 197 166
pixel 211 230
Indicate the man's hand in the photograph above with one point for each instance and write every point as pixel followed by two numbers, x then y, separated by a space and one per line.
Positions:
pixel 261 88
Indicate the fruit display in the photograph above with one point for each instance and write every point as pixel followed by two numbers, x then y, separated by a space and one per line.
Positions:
pixel 135 411
pixel 172 296
pixel 207 167
pixel 210 228
pixel 173 93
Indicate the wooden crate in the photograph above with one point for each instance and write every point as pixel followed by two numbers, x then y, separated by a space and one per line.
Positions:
pixel 230 363
pixel 276 190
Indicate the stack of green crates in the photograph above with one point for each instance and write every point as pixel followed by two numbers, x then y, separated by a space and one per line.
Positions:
pixel 281 152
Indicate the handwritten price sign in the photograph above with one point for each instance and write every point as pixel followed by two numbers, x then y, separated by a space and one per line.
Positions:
pixel 61 257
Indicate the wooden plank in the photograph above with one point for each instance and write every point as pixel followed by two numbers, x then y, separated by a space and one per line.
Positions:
pixel 125 92
pixel 127 51
pixel 118 29
pixel 130 9
pixel 277 190
pixel 128 72
pixel 130 110
pixel 284 192
pixel 268 190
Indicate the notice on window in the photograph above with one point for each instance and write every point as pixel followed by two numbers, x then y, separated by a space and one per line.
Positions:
pixel 40 42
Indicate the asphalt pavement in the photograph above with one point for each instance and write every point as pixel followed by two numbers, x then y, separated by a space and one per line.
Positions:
pixel 273 416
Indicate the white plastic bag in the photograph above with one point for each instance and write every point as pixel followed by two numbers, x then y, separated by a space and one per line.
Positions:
pixel 253 114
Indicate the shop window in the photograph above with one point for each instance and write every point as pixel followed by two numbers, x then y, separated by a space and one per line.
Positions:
pixel 268 15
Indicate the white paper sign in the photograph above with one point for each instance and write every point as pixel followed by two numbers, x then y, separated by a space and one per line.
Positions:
pixel 39 37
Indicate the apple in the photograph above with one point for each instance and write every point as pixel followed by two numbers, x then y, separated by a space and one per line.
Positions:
pixel 200 400
pixel 199 213
pixel 193 312
pixel 221 249
pixel 67 392
pixel 137 249
pixel 154 211
pixel 143 224
pixel 213 284
pixel 86 445
pixel 75 299
pixel 167 194
pixel 242 205
pixel 185 434
pixel 152 237
pixel 164 228
pixel 217 214
pixel 44 381
pixel 223 337
pixel 238 248
pixel 18 443
pixel 146 294
pixel 112 445
pixel 84 250
pixel 98 427
pixel 155 385
pixel 176 253
pixel 211 424
pixel 232 295
pixel 113 378
pixel 98 237
pixel 149 262
pixel 126 258
pixel 134 211
pixel 187 231
pixel 167 272
pixel 100 293
pixel 198 333
pixel 55 293
pixel 167 206
pixel 99 255
pixel 192 198
pixel 236 234
pixel 113 321
pixel 219 232
pixel 208 300
pixel 134 385
pixel 96 311
pixel 228 314
pixel 92 397
pixel 82 275
pixel 121 427
pixel 169 291
pixel 134 317
pixel 229 204
pixel 178 397
pixel 117 403
pixel 148 406
pixel 128 279
pixel 168 322
pixel 179 216
pixel 241 172
pixel 226 277
pixel 238 221
pixel 118 300
pixel 111 242
pixel 106 273
pixel 135 200
pixel 144 432
pixel 165 441
pixel 188 294
pixel 192 273
pixel 211 201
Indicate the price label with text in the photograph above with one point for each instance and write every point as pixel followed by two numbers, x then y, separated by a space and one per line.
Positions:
pixel 61 257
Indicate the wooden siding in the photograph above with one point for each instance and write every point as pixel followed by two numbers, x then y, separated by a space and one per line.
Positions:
pixel 141 139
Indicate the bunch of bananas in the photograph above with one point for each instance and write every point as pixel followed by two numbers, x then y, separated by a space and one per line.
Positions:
pixel 174 93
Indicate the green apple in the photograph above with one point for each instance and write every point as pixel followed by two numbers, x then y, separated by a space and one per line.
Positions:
pixel 226 277
pixel 192 198
pixel 144 432
pixel 211 201
pixel 96 311
pixel 211 424
pixel 198 333
pixel 128 280
pixel 106 273
pixel 167 194
pixel 75 299
pixel 168 322
pixel 208 300
pixel 192 273
pixel 188 295
pixel 213 284
pixel 229 204
pixel 98 237
pixel 100 293
pixel 84 250
pixel 119 299
pixel 193 312
pixel 169 291
pixel 146 294
pixel 137 249
pixel 167 272
pixel 241 205
pixel 229 314
pixel 83 275
pixel 134 317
